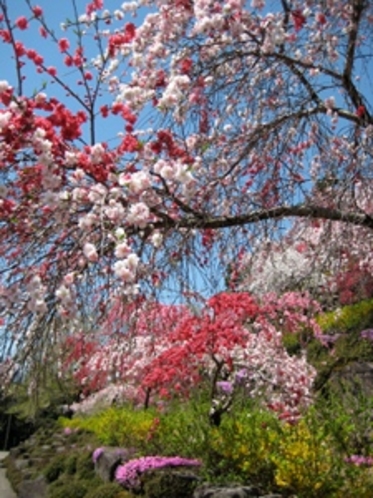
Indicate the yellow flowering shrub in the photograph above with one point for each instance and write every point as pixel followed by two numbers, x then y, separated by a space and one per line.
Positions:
pixel 304 461
pixel 245 443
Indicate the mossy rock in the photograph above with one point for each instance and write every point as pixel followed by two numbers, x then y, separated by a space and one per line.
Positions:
pixel 169 483
pixel 107 490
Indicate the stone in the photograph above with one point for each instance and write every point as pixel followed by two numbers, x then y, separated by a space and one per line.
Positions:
pixel 36 488
pixel 21 463
pixel 169 482
pixel 108 461
pixel 231 491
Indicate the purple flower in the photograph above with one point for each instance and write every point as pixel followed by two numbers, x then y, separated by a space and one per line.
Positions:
pixel 225 386
pixel 67 431
pixel 328 339
pixel 96 454
pixel 128 474
pixel 367 334
pixel 241 376
pixel 360 460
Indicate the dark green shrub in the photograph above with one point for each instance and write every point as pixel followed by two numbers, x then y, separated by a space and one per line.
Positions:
pixel 107 490
pixel 70 464
pixel 55 468
pixel 65 488
pixel 85 466
pixel 169 483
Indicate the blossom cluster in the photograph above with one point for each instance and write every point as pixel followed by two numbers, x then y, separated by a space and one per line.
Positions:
pixel 234 341
pixel 129 473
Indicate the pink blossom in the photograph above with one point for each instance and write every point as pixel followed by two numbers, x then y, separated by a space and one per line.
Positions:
pixel 90 252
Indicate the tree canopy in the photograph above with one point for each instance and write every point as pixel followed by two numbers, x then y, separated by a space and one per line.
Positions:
pixel 154 146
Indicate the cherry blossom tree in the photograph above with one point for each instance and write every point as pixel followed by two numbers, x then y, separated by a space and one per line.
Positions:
pixel 230 120
pixel 234 343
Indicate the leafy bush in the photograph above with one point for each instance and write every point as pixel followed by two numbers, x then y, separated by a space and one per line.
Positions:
pixel 243 445
pixel 55 468
pixel 67 489
pixel 116 426
pixel 184 426
pixel 107 490
pixel 84 465
pixel 304 460
pixel 347 318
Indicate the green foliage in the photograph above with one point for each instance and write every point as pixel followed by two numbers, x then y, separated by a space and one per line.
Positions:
pixel 44 401
pixel 345 324
pixel 67 488
pixel 71 464
pixel 107 490
pixel 55 468
pixel 85 466
pixel 350 317
pixel 183 428
pixel 305 462
pixel 168 483
pixel 348 419
pixel 116 426
pixel 242 447
pixel 125 494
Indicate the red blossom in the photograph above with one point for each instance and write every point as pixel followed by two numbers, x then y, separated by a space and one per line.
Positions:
pixel 5 35
pixel 52 71
pixel 360 111
pixel 35 57
pixel 22 23
pixel 186 65
pixel 43 32
pixel 298 19
pixel 118 39
pixel 19 49
pixel 321 19
pixel 129 144
pixel 94 5
pixel 104 111
pixel 37 11
pixel 63 44
pixel 68 61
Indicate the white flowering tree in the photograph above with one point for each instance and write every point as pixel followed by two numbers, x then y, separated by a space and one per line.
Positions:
pixel 162 141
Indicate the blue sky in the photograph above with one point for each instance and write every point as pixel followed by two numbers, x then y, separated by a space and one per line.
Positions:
pixel 56 13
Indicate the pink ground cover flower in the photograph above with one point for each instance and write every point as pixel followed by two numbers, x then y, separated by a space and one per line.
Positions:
pixel 129 473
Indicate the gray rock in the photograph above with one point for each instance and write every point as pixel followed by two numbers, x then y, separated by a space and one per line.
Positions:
pixel 233 491
pixel 108 461
pixel 36 488
pixel 21 463
pixel 169 482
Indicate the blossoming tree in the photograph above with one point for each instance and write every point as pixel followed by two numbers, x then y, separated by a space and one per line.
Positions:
pixel 227 117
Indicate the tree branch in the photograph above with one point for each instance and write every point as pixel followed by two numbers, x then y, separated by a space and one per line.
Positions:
pixel 300 211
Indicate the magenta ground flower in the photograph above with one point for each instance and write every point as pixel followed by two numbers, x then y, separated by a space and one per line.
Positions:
pixel 360 460
pixel 129 473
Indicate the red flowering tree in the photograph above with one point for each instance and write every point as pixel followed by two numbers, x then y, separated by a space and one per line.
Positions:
pixel 226 118
pixel 233 343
